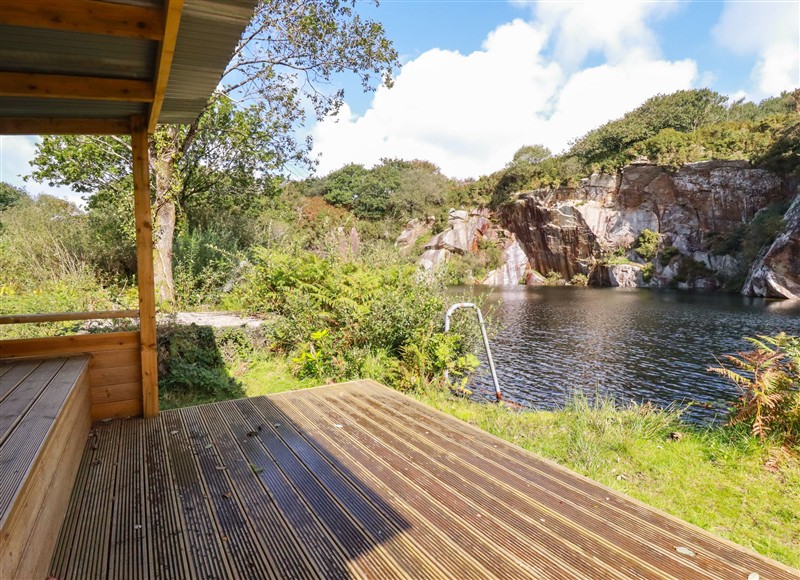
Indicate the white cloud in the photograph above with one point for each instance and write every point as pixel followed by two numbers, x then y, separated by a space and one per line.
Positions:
pixel 615 29
pixel 770 31
pixel 469 113
pixel 15 153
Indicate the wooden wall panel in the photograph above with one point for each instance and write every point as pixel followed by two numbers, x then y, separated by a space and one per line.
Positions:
pixel 115 372
pixel 30 531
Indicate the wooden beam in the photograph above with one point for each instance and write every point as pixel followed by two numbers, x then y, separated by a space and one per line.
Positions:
pixel 67 316
pixel 85 16
pixel 144 260
pixel 55 126
pixel 13 84
pixel 166 52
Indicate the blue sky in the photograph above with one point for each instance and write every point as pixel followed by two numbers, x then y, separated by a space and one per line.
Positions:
pixel 482 78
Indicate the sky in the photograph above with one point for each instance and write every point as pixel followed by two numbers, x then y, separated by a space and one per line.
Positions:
pixel 481 78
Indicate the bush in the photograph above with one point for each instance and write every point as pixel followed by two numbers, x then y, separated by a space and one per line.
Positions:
pixel 667 254
pixel 342 320
pixel 646 244
pixel 769 379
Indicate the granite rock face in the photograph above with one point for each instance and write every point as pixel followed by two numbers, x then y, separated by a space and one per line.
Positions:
pixel 516 268
pixel 569 230
pixel 687 208
pixel 555 239
pixel 776 272
pixel 413 231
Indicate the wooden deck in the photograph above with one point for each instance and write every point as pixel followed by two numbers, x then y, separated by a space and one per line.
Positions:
pixel 357 480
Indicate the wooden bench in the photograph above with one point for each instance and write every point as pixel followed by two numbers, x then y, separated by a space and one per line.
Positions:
pixel 44 423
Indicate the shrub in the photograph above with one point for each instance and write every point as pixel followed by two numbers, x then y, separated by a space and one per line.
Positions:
pixel 769 379
pixel 647 272
pixel 646 244
pixel 667 254
pixel 690 270
pixel 579 280
pixel 340 319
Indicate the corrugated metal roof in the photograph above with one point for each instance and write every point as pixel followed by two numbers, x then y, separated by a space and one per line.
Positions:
pixel 69 108
pixel 210 30
pixel 207 36
pixel 36 50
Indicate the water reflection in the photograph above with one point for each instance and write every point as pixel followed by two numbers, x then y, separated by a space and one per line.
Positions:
pixel 639 345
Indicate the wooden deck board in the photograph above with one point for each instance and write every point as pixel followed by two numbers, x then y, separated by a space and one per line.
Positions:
pixel 357 480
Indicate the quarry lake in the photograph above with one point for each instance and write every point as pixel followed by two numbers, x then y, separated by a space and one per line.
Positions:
pixel 636 345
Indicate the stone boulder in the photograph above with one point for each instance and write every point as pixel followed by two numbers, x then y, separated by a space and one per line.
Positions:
pixel 464 230
pixel 413 231
pixel 617 276
pixel 776 272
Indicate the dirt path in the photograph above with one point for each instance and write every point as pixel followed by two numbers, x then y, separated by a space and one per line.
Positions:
pixel 217 319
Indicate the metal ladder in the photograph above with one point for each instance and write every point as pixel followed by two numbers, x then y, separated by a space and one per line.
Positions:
pixel 447 316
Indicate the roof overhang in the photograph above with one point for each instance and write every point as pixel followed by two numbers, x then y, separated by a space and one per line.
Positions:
pixel 89 66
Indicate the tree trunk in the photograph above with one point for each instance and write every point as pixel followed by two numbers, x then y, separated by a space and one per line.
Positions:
pixel 164 157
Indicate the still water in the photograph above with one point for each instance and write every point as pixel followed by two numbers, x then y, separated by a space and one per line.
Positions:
pixel 640 345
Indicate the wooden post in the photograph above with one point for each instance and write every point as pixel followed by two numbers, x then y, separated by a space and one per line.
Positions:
pixel 144 263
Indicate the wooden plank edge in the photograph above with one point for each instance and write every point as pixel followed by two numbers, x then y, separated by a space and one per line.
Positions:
pixel 65 345
pixel 87 16
pixel 62 126
pixel 166 52
pixel 67 316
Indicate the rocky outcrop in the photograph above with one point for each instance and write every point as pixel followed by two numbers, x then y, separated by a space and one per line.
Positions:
pixel 464 230
pixel 572 230
pixel 687 208
pixel 617 275
pixel 516 268
pixel 776 272
pixel 555 239
pixel 413 231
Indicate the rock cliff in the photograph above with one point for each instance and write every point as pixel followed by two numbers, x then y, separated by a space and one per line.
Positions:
pixel 776 271
pixel 699 212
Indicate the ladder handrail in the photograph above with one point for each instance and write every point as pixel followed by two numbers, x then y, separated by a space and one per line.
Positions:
pixel 447 316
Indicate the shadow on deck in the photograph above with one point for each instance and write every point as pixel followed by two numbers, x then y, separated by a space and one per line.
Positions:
pixel 356 480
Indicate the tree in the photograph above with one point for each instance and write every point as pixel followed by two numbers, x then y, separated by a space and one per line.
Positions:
pixel 286 58
pixel 683 111
pixel 530 154
pixel 11 195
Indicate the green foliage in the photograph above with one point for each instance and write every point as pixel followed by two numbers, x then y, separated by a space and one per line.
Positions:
pixel 763 229
pixel 579 280
pixel 473 267
pixel 345 319
pixel 647 272
pixel 394 188
pixel 646 245
pixel 554 278
pixel 203 262
pixel 690 270
pixel 191 367
pixel 769 379
pixel 685 111
pixel 530 155
pixel 667 254
pixel 11 195
pixel 41 242
pixel 696 125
